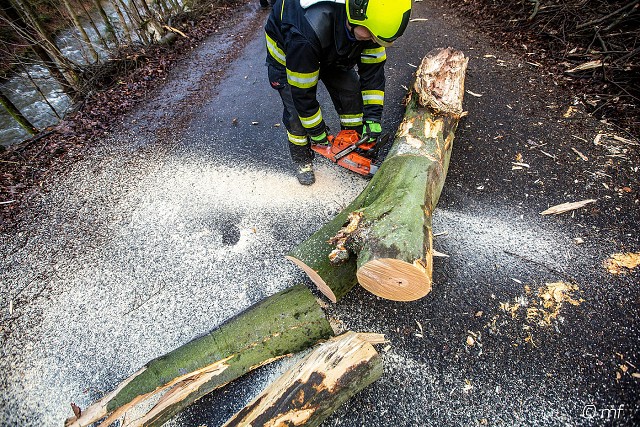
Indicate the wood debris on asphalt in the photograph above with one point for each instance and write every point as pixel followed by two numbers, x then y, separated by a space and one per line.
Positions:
pixel 622 263
pixel 567 207
pixel 586 66
pixel 582 156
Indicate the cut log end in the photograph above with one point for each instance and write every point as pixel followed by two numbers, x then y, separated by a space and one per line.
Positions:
pixel 394 279
pixel 315 278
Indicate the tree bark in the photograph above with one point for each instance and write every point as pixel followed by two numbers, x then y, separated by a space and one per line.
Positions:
pixel 123 21
pixel 316 386
pixel 285 323
pixel 83 34
pixel 383 240
pixel 107 22
pixel 17 115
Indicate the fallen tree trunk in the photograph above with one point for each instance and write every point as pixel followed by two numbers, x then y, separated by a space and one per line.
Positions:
pixel 383 240
pixel 285 323
pixel 316 386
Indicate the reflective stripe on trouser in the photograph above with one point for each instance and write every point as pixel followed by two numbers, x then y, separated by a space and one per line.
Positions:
pixel 373 97
pixel 344 88
pixel 300 151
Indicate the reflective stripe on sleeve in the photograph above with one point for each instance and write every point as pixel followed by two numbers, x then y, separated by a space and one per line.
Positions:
pixel 275 51
pixel 313 121
pixel 373 56
pixel 351 120
pixel 373 97
pixel 303 80
pixel 297 139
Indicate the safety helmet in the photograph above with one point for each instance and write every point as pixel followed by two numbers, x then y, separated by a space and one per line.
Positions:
pixel 385 19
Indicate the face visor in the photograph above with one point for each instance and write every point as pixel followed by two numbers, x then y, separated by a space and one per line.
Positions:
pixel 386 20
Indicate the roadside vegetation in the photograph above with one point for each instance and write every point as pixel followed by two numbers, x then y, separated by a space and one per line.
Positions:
pixel 103 88
pixel 590 46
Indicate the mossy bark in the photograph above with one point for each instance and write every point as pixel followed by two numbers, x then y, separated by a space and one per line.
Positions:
pixel 383 240
pixel 285 323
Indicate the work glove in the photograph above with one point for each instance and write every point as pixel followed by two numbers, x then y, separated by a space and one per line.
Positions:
pixel 372 129
pixel 320 139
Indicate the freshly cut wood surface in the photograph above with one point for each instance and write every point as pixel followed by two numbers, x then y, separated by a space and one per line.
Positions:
pixel 316 386
pixel 384 239
pixel 285 323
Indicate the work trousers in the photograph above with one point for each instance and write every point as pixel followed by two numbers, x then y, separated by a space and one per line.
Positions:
pixel 343 86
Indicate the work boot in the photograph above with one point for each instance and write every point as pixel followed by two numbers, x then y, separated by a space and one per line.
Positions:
pixel 305 174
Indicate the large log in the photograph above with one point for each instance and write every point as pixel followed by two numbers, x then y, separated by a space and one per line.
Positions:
pixel 384 240
pixel 316 386
pixel 285 323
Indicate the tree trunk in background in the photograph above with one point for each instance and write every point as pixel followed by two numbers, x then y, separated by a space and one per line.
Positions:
pixel 111 32
pixel 17 115
pixel 315 387
pixel 89 18
pixel 138 20
pixel 285 323
pixel 83 34
pixel 384 238
pixel 36 34
pixel 123 22
pixel 153 27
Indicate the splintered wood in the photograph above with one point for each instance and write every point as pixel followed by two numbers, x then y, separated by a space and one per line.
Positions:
pixel 317 385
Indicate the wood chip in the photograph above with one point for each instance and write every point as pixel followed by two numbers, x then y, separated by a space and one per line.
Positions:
pixel 566 207
pixel 636 375
pixel 586 66
pixel 571 111
pixel 439 254
pixel 477 95
pixel 522 165
pixel 622 262
pixel 582 156
pixel 624 140
pixel 418 20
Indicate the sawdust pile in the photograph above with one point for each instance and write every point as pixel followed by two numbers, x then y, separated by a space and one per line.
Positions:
pixel 542 308
pixel 622 263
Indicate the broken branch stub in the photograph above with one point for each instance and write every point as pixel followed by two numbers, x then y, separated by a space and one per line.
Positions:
pixel 384 237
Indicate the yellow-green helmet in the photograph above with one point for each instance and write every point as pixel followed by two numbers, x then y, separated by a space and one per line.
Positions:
pixel 385 19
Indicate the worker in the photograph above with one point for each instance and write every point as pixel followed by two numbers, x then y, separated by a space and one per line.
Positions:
pixel 313 40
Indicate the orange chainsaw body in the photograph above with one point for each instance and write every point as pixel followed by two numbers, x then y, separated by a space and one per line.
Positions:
pixel 354 161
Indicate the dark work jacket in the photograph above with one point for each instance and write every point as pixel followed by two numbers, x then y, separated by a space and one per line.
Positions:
pixel 307 40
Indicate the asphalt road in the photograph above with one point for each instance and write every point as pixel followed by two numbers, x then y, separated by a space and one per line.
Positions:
pixel 181 218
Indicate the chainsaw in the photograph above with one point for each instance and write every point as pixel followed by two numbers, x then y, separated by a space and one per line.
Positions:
pixel 352 152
